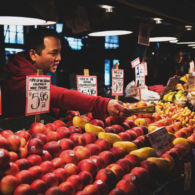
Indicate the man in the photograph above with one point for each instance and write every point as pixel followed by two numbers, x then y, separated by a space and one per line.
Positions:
pixel 43 49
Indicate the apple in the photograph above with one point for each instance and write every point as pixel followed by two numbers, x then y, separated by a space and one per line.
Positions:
pixel 90 115
pixel 35 146
pixel 23 163
pixel 116 191
pixel 117 170
pixel 191 138
pixel 93 148
pixel 71 169
pixel 103 144
pixel 132 134
pixel 109 129
pixel 118 152
pixel 67 188
pixel 4 143
pixel 36 171
pixel 110 120
pixel 118 128
pixel 66 144
pixel 22 142
pixel 102 187
pixel 53 147
pixel 8 184
pixel 23 152
pixel 135 160
pixel 14 142
pixel 97 122
pixel 13 169
pixel 55 190
pixel 108 157
pixel 91 189
pixel 125 164
pixel 81 152
pixel 13 156
pixel 130 123
pixel 7 133
pixel 4 157
pixel 37 127
pixel 57 162
pixel 107 176
pixel 50 179
pixel 127 187
pixel 141 122
pixel 78 139
pixel 24 189
pixel 46 155
pixel 60 173
pixel 24 176
pixel 76 182
pixel 125 136
pixel 68 156
pixel 180 133
pixel 40 136
pixel 75 129
pixel 86 177
pixel 50 127
pixel 138 130
pixel 87 165
pixel 47 166
pixel 63 132
pixel 70 114
pixel 151 167
pixel 59 123
pixel 39 186
pixel 89 137
pixel 23 133
pixel 34 159
pixel 98 160
pixel 52 136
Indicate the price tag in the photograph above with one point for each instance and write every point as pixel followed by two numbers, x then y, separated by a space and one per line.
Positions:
pixel 140 76
pixel 187 175
pixel 135 62
pixel 117 81
pixel 37 94
pixel 87 84
pixel 160 140
pixel 0 103
pixel 145 68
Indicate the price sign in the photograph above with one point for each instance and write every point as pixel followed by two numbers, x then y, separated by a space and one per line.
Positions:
pixel 140 76
pixel 160 140
pixel 135 62
pixel 87 84
pixel 145 68
pixel 37 94
pixel 0 103
pixel 117 81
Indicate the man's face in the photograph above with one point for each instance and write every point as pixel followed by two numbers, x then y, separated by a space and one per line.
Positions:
pixel 50 56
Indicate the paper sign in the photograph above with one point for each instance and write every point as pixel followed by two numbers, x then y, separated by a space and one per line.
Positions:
pixel 0 103
pixel 144 34
pixel 160 140
pixel 87 84
pixel 140 76
pixel 37 94
pixel 145 68
pixel 117 81
pixel 135 62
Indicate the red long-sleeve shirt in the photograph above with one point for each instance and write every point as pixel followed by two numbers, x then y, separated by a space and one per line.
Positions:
pixel 14 92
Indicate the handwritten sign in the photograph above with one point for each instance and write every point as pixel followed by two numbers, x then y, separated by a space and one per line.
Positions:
pixel 37 94
pixel 160 140
pixel 87 84
pixel 0 103
pixel 145 68
pixel 135 62
pixel 140 76
pixel 117 81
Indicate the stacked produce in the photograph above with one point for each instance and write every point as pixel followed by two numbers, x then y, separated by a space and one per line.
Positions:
pixel 84 155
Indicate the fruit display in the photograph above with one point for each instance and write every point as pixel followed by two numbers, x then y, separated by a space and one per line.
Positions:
pixel 84 155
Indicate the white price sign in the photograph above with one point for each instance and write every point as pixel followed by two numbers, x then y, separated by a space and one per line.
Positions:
pixel 117 81
pixel 0 103
pixel 37 94
pixel 135 62
pixel 87 84
pixel 160 140
pixel 145 68
pixel 140 76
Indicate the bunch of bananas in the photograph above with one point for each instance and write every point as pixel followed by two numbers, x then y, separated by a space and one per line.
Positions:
pixel 173 96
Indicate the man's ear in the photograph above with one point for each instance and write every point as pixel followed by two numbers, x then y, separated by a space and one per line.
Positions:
pixel 32 54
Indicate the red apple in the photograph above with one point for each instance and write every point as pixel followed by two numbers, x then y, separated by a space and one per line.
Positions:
pixel 13 169
pixel 90 115
pixel 108 157
pixel 87 165
pixel 76 182
pixel 23 152
pixel 132 134
pixel 8 184
pixel 93 148
pixel 116 191
pixel 34 159
pixel 13 156
pixel 97 122
pixel 135 160
pixel 98 160
pixel 57 162
pixel 67 188
pixel 23 133
pixel 91 189
pixel 117 170
pixel 55 190
pixel 37 127
pixel 71 169
pixel 63 132
pixel 50 127
pixel 138 130
pixel 130 122
pixel 24 176
pixel 118 152
pixel 50 179
pixel 110 120
pixel 109 129
pixel 75 129
pixel 70 114
pixel 125 136
pixel 86 177
pixel 103 144
pixel 47 166
pixel 24 189
pixel 4 143
pixel 81 152
pixel 127 187
pixel 53 147
pixel 14 142
pixel 39 186
pixel 23 163
pixel 125 164
pixel 60 173
pixel 102 187
pixel 36 171
pixel 78 139
pixel 4 157
pixel 118 128
pixel 35 146
pixel 7 133
pixel 46 155
pixel 40 136
pixel 89 137
pixel 66 144
pixel 52 136
pixel 68 156
pixel 59 123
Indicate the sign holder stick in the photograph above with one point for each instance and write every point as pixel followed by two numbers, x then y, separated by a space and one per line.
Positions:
pixel 117 67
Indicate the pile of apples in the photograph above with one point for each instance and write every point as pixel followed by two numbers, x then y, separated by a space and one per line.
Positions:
pixel 85 156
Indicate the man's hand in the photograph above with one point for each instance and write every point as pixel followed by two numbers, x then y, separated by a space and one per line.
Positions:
pixel 116 108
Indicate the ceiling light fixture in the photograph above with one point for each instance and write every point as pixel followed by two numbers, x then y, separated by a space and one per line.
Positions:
pixel 108 8
pixel 185 43
pixel 174 41
pixel 188 27
pixel 109 33
pixel 157 20
pixel 161 39
pixel 191 45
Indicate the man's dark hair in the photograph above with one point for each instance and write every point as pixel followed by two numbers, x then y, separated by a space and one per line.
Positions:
pixel 35 38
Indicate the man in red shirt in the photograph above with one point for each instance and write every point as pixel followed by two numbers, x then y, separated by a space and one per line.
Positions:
pixel 43 49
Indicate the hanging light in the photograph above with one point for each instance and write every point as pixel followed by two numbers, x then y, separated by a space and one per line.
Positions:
pixel 109 33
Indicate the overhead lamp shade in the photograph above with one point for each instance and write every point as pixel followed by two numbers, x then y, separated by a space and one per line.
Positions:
pixel 188 37
pixel 19 13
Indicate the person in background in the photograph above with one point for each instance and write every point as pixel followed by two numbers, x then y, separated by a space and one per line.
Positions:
pixel 43 51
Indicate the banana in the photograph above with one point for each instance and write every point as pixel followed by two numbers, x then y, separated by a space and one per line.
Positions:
pixel 110 137
pixel 127 146
pixel 93 128
pixel 79 121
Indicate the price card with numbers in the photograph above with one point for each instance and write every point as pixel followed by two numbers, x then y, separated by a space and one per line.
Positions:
pixel 117 81
pixel 135 62
pixel 145 68
pixel 140 76
pixel 87 84
pixel 37 94
pixel 0 103
pixel 160 140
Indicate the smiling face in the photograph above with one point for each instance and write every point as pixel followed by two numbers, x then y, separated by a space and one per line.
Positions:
pixel 50 56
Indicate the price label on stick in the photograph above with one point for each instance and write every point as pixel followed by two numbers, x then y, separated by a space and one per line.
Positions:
pixel 87 84
pixel 160 140
pixel 37 94
pixel 140 76
pixel 135 62
pixel 117 81
pixel 0 103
